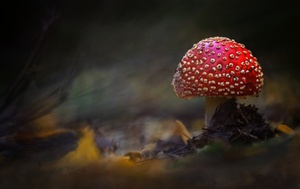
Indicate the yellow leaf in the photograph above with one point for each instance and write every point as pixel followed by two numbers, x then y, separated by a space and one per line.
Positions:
pixel 285 129
pixel 181 130
pixel 85 153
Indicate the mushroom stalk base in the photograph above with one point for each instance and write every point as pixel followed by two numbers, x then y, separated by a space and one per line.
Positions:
pixel 211 104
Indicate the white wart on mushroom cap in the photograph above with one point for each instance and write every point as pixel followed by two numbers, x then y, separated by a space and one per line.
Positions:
pixel 218 67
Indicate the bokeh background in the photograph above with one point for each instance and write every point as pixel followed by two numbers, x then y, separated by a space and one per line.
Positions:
pixel 110 63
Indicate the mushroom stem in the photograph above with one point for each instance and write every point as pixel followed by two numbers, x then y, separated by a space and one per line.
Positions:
pixel 211 104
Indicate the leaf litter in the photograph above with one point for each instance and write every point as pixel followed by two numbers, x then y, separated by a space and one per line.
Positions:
pixel 233 124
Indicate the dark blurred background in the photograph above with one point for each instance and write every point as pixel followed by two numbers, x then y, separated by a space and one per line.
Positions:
pixel 111 59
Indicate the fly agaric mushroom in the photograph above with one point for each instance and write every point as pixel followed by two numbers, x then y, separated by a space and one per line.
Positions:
pixel 217 68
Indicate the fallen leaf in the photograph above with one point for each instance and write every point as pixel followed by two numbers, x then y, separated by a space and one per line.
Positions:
pixel 285 129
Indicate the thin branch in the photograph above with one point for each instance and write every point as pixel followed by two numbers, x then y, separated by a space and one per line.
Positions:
pixel 19 83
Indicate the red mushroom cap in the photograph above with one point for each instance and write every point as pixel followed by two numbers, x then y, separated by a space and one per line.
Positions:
pixel 218 66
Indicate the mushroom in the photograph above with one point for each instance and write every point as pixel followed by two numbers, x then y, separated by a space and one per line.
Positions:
pixel 217 68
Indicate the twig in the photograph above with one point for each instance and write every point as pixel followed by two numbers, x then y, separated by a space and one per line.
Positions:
pixel 15 88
